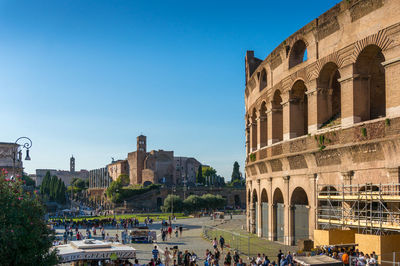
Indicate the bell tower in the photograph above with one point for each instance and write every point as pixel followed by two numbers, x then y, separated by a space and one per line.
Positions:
pixel 141 143
pixel 72 164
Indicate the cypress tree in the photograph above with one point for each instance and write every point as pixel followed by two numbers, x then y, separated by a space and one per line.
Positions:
pixel 199 176
pixel 235 172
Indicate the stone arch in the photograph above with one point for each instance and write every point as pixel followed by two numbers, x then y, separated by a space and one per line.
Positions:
pixel 325 207
pixel 299 215
pixel 263 81
pixel 277 117
pixel 369 188
pixel 369 84
pixel 328 190
pixel 253 130
pixel 329 96
pixel 278 216
pixel 263 125
pixel 264 213
pixel 297 52
pixel 298 109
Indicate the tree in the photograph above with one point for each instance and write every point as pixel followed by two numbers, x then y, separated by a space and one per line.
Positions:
pixel 193 203
pixel 236 173
pixel 199 176
pixel 172 203
pixel 124 179
pixel 27 180
pixel 25 238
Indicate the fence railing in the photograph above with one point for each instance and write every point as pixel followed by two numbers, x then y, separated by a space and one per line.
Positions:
pixel 233 241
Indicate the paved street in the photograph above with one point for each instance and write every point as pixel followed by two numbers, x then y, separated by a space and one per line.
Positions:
pixel 191 239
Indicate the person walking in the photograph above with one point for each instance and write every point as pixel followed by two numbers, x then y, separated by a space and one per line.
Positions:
pixel 155 253
pixel 167 256
pixel 221 243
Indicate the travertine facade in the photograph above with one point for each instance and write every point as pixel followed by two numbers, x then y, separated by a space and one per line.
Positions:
pixel 322 108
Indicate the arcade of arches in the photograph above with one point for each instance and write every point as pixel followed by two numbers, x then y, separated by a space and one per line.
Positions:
pixel 322 109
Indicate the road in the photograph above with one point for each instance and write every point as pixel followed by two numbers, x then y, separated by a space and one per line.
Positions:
pixel 191 239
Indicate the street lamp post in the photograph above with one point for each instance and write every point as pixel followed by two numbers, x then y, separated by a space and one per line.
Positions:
pixel 27 144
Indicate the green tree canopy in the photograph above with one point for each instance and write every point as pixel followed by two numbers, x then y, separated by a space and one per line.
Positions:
pixel 236 172
pixel 25 238
pixel 124 179
pixel 172 203
pixel 199 176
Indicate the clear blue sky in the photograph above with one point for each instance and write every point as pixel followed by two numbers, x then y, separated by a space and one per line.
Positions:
pixel 86 77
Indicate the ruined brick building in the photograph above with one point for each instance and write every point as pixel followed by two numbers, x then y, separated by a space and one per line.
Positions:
pixel 323 126
pixel 155 167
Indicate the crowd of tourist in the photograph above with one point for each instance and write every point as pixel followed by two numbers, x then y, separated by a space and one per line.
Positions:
pixel 350 256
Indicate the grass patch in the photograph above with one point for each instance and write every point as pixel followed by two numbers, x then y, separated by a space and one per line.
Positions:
pixel 140 216
pixel 248 244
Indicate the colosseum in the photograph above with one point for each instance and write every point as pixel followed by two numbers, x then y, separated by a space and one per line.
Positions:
pixel 323 127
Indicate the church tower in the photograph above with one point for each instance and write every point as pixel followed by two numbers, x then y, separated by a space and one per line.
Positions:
pixel 141 143
pixel 72 164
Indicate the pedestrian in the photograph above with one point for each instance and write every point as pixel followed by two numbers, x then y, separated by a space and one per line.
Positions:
pixel 228 258
pixel 221 243
pixel 155 253
pixel 214 243
pixel 186 258
pixel 103 234
pixel 167 257
pixel 266 261
pixel 180 230
pixel 289 258
pixel 170 231
pixel 236 257
pixel 280 254
pixel 65 236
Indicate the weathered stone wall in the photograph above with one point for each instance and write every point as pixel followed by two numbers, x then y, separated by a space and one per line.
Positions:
pixel 333 118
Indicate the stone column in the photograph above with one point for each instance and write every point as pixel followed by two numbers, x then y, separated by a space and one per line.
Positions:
pixel 270 211
pixel 269 127
pixel 348 178
pixel 350 89
pixel 313 203
pixel 287 134
pixel 275 126
pixel 247 139
pixel 288 213
pixel 262 131
pixel 392 85
pixel 259 220
pixel 312 106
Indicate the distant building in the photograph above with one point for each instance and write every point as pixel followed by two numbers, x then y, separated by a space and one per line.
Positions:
pixel 65 176
pixel 7 151
pixel 117 168
pixel 186 169
pixel 154 167
pixel 99 178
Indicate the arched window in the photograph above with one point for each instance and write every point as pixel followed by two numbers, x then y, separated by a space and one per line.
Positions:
pixel 298 54
pixel 299 109
pixel 369 84
pixel 277 117
pixel 329 106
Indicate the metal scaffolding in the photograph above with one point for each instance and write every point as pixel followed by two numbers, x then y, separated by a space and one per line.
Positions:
pixel 369 208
